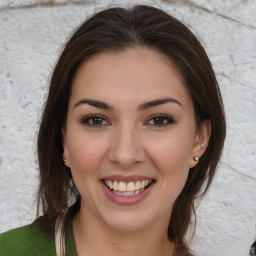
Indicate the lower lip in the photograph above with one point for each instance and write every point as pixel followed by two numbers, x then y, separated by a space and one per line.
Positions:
pixel 126 200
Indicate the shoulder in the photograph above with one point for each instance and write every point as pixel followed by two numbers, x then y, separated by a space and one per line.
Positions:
pixel 27 240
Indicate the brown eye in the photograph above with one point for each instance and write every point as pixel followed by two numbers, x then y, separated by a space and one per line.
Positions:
pixel 160 120
pixel 95 121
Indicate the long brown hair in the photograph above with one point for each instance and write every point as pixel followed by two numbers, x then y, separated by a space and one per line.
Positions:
pixel 115 29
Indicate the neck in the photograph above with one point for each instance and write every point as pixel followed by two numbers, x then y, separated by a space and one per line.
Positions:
pixel 92 237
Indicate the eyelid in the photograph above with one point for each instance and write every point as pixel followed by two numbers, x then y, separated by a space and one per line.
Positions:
pixel 167 117
pixel 89 117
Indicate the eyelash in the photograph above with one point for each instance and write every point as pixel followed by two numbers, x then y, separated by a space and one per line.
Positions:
pixel 87 120
pixel 166 120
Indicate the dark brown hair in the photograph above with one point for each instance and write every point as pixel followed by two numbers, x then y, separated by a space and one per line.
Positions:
pixel 116 29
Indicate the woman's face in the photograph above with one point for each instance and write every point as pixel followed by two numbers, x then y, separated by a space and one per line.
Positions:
pixel 130 138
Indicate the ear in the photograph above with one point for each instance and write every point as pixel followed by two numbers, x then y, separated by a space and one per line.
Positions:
pixel 65 150
pixel 201 141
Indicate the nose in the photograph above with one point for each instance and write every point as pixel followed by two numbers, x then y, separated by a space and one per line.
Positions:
pixel 126 148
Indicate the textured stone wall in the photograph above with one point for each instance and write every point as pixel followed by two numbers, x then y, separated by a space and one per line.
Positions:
pixel 32 33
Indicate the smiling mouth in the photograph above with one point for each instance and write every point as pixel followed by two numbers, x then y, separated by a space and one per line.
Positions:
pixel 127 189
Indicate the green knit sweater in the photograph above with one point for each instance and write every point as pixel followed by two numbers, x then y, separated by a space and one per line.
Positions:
pixel 30 240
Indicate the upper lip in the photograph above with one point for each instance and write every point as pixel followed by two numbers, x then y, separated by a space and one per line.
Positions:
pixel 127 178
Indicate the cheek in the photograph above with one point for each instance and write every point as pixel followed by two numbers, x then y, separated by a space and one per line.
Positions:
pixel 173 153
pixel 172 159
pixel 174 170
pixel 85 154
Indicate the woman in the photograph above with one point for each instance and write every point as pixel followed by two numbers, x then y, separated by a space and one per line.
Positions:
pixel 132 129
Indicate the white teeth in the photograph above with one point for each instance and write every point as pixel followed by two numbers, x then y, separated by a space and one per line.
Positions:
pixel 122 187
pixel 132 188
pixel 137 185
pixel 115 185
pixel 142 184
pixel 110 185
pixel 126 193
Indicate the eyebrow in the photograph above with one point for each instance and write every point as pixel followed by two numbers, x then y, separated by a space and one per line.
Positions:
pixel 146 105
pixel 94 103
pixel 157 102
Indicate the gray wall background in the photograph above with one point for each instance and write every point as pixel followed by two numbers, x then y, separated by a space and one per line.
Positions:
pixel 32 33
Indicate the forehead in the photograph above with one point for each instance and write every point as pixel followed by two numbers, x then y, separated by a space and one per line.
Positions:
pixel 131 74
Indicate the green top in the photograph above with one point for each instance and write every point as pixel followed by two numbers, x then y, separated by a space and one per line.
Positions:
pixel 31 240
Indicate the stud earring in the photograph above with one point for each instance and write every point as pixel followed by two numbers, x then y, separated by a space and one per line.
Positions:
pixel 64 158
pixel 196 158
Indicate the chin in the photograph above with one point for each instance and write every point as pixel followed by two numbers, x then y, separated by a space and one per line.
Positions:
pixel 128 221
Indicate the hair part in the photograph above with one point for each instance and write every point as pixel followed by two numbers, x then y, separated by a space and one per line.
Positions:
pixel 116 29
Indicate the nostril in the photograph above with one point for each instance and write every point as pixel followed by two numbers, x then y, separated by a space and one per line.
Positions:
pixel 125 147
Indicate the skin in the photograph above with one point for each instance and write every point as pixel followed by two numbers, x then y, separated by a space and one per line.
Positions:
pixel 128 139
